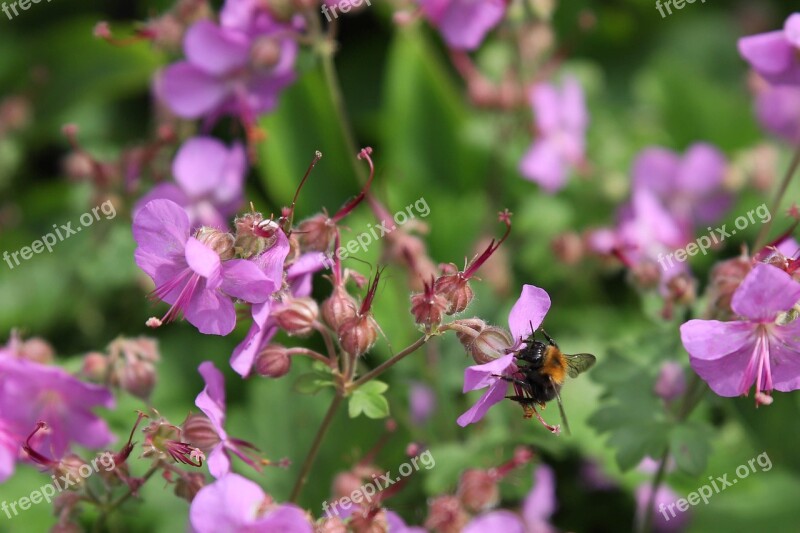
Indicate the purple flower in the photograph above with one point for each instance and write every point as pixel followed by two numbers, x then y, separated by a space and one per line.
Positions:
pixel 758 349
pixel 539 506
pixel 212 402
pixel 775 55
pixel 234 503
pixel 228 72
pixel 665 520
pixel 9 451
pixel 31 392
pixel 671 382
pixel 191 276
pixel 209 180
pixel 691 186
pixel 528 312
pixel 298 278
pixel 778 111
pixel 464 23
pixel 561 122
pixel 423 402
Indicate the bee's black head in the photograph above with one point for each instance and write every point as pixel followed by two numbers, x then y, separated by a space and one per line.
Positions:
pixel 533 352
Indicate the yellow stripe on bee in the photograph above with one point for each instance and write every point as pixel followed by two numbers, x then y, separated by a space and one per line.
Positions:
pixel 554 365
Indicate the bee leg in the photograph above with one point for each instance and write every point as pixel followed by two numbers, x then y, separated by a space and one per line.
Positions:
pixel 512 380
pixel 552 429
pixel 549 338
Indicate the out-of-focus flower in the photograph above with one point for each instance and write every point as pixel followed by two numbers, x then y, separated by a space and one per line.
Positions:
pixel 212 402
pixel 423 402
pixel 775 55
pixel 31 393
pixel 525 317
pixel 209 180
pixel 561 122
pixel 224 75
pixel 9 450
pixel 690 186
pixel 190 275
pixel 758 349
pixel 671 382
pixel 464 23
pixel 34 349
pixel 539 506
pixel 663 520
pixel 778 111
pixel 234 503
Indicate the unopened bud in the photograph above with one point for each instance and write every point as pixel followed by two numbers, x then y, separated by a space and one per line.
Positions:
pixel 219 241
pixel 187 487
pixel 333 524
pixel 273 361
pixel 339 307
pixel 365 521
pixel 682 289
pixel 446 515
pixel 671 382
pixel 37 350
pixel 725 278
pixel 358 334
pixel 478 490
pixel 346 483
pixel 646 274
pixel 95 367
pixel 316 233
pixel 297 316
pixel 137 378
pixel 70 468
pixel 456 290
pixel 254 234
pixel 200 433
pixel 568 248
pixel 490 344
pixel 265 53
pixel 475 324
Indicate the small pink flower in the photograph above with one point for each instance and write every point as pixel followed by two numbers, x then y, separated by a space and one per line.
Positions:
pixel 733 356
pixel 774 55
pixel 464 23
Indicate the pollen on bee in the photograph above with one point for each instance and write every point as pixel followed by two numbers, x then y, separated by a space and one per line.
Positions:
pixel 528 411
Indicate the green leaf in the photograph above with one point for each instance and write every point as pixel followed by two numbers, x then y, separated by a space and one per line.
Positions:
pixel 689 444
pixel 369 399
pixel 314 381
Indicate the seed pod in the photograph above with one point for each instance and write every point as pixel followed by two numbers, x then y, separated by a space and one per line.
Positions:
pixel 358 334
pixel 273 361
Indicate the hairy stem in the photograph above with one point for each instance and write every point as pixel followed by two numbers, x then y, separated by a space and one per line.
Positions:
pixel 315 446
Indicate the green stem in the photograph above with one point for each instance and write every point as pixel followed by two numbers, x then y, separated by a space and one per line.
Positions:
pixel 380 369
pixel 776 203
pixel 315 446
pixel 326 47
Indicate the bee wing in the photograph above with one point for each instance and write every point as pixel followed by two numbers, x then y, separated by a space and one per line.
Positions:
pixel 561 408
pixel 578 363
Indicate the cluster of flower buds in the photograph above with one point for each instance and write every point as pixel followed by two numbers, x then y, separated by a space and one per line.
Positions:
pixel 129 365
pixel 451 293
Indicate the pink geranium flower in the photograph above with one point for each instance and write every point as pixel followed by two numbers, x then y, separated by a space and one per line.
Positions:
pixel 758 349
pixel 190 275
pixel 464 23
pixel 528 312
pixel 775 55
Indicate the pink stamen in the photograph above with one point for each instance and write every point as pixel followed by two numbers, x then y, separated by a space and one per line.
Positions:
pixel 505 218
pixel 185 296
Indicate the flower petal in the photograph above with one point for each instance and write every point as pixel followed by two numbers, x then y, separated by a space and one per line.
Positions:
pixel 199 165
pixel 228 504
pixel 528 312
pixel 544 164
pixel 219 464
pixel 212 399
pixel 210 311
pixel 262 330
pixel 188 91
pixel 244 280
pixel 272 260
pixel 655 169
pixel 784 352
pixel 161 228
pixel 204 261
pixel 495 394
pixel 766 291
pixel 501 520
pixel 711 340
pixel 768 53
pixel 481 376
pixel 216 50
pixel 540 504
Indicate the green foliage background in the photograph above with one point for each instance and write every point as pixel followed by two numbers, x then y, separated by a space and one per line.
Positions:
pixel 649 81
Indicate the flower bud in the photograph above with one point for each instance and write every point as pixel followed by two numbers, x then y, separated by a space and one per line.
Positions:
pixel 273 361
pixel 671 382
pixel 187 487
pixel 265 52
pixel 316 233
pixel 95 367
pixel 70 468
pixel 137 378
pixel 200 433
pixel 725 278
pixel 254 235
pixel 428 307
pixel 346 483
pixel 339 307
pixel 333 524
pixel 364 521
pixel 568 248
pixel 475 324
pixel 37 350
pixel 358 334
pixel 446 515
pixel 456 290
pixel 478 490
pixel 489 344
pixel 219 241
pixel 297 316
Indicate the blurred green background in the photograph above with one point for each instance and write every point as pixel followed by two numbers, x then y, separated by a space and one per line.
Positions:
pixel 649 81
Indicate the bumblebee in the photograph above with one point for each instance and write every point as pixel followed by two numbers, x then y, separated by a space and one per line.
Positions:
pixel 542 369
